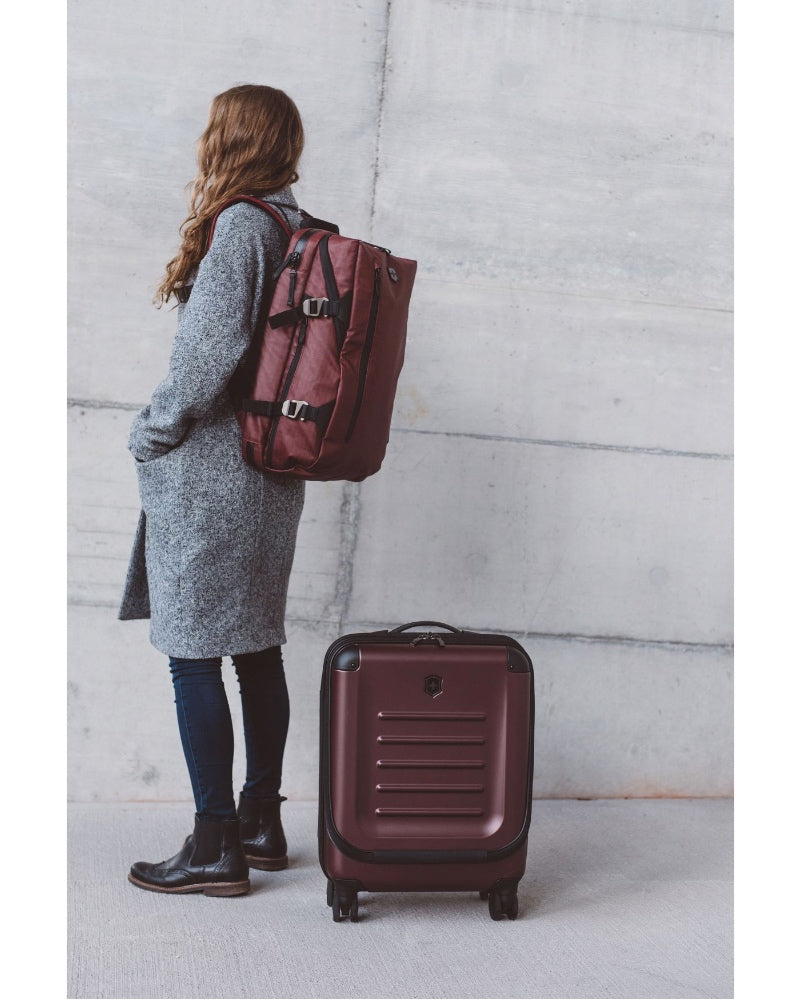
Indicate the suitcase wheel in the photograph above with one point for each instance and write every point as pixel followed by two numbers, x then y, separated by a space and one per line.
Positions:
pixel 503 902
pixel 343 902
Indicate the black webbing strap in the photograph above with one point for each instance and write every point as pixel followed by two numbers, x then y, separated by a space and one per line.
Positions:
pixel 295 410
pixel 309 222
pixel 317 307
pixel 285 318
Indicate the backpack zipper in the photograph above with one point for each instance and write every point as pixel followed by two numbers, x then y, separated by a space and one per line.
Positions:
pixel 293 261
pixel 339 325
pixel 301 339
pixel 296 258
pixel 370 336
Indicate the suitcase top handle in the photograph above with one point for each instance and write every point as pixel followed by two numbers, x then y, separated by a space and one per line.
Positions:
pixel 402 628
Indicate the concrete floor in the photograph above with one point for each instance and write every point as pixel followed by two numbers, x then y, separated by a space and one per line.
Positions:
pixel 622 898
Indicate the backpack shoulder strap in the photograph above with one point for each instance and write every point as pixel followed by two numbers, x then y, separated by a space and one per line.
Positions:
pixel 274 212
pixel 182 294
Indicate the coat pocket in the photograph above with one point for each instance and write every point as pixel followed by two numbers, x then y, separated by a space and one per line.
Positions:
pixel 159 481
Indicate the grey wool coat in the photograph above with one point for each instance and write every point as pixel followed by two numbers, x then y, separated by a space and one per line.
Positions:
pixel 216 538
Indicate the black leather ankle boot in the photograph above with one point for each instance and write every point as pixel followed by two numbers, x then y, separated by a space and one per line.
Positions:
pixel 211 861
pixel 263 839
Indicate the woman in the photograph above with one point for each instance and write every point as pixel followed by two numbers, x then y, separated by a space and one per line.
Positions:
pixel 216 538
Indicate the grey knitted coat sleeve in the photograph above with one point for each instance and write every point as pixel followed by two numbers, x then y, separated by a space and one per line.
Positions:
pixel 216 538
pixel 214 331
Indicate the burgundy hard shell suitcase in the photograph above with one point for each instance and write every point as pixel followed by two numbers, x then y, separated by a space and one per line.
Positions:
pixel 426 765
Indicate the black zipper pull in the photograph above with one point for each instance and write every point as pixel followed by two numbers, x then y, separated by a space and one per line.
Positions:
pixel 294 260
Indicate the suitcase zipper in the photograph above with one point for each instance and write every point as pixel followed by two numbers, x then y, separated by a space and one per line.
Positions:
pixel 362 375
pixel 462 637
pixel 301 339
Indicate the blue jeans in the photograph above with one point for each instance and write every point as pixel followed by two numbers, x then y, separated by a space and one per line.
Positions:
pixel 204 721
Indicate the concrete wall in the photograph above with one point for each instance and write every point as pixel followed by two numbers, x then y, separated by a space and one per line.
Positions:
pixel 560 462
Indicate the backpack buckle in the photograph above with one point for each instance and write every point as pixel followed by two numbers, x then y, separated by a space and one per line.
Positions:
pixel 292 408
pixel 315 307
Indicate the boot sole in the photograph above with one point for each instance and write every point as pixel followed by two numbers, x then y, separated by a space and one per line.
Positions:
pixel 267 864
pixel 207 888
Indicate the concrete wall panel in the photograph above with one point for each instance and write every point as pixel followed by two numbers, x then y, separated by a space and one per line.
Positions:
pixel 510 361
pixel 604 712
pixel 561 148
pixel 541 539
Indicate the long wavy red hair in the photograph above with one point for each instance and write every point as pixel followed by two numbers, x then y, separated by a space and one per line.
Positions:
pixel 252 145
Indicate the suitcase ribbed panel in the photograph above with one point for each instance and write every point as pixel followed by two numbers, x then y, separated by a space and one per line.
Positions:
pixel 406 724
pixel 433 716
pixel 457 741
pixel 430 788
pixel 442 765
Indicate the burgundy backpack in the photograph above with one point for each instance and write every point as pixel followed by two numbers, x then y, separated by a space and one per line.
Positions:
pixel 314 397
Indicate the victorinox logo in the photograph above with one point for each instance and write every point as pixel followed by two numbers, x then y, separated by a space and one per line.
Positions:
pixel 433 685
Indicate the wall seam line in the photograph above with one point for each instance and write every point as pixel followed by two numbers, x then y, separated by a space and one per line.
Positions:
pixel 100 404
pixel 379 122
pixel 531 289
pixel 612 640
pixel 665 26
pixel 555 443
pixel 350 509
